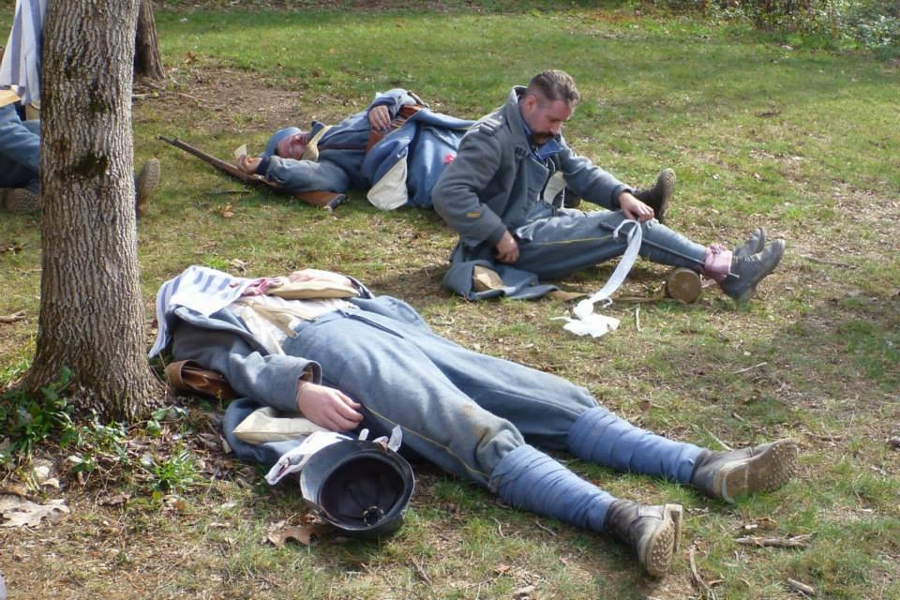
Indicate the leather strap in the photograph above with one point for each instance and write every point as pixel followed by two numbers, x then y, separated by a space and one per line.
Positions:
pixel 190 376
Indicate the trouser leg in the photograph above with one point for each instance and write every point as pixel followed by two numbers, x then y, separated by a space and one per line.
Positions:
pixel 570 241
pixel 397 384
pixel 20 149
pixel 530 480
pixel 601 437
pixel 540 405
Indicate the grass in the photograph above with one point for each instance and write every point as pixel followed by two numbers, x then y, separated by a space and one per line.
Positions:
pixel 801 141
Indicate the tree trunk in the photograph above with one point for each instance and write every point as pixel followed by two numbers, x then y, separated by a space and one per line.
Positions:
pixel 147 61
pixel 91 317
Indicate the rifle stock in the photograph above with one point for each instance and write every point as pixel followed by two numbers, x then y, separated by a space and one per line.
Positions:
pixel 321 199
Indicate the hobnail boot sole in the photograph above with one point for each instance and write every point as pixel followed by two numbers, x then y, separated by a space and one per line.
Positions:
pixel 657 553
pixel 145 184
pixel 666 179
pixel 765 472
pixel 20 200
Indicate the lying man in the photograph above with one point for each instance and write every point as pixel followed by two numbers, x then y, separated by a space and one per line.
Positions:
pixel 395 149
pixel 365 361
pixel 493 196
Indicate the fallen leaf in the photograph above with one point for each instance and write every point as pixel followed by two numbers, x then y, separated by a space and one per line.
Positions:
pixel 16 316
pixel 114 500
pixel 303 534
pixel 16 489
pixel 18 512
pixel 525 593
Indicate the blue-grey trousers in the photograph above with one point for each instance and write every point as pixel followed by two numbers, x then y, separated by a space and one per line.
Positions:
pixel 555 243
pixel 20 150
pixel 466 411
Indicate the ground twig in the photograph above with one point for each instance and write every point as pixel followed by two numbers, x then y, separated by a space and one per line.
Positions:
pixel 801 587
pixel 705 591
pixel 794 542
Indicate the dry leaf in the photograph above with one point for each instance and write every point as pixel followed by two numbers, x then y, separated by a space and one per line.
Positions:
pixel 303 534
pixel 18 512
pixel 114 500
pixel 16 316
pixel 17 489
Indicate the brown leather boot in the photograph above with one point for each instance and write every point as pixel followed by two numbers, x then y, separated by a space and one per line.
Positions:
pixel 652 532
pixel 20 200
pixel 729 475
pixel 659 196
pixel 144 185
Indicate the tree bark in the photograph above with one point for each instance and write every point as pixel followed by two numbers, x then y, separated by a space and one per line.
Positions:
pixel 91 318
pixel 147 61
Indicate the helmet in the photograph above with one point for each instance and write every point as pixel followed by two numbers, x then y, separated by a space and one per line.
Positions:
pixel 361 487
pixel 272 144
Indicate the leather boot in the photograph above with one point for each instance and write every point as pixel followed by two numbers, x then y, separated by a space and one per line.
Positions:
pixel 652 532
pixel 755 243
pixel 729 475
pixel 748 271
pixel 144 185
pixel 20 200
pixel 659 195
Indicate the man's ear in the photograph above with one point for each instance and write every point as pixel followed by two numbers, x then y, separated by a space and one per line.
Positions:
pixel 529 104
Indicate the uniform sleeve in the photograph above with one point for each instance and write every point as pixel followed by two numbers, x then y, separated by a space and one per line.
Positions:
pixel 393 99
pixel 457 194
pixel 269 379
pixel 590 181
pixel 306 175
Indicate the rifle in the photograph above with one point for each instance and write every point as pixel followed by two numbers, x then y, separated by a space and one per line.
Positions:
pixel 326 200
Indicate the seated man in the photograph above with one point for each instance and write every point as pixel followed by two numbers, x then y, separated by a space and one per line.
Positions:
pixel 20 163
pixel 20 157
pixel 395 149
pixel 366 361
pixel 20 141
pixel 493 196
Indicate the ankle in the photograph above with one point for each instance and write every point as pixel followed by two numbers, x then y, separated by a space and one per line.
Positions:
pixel 717 265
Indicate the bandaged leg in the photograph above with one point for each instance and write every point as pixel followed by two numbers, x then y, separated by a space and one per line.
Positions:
pixel 530 480
pixel 601 437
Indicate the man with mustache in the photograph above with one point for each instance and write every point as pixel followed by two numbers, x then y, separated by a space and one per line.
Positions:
pixel 494 195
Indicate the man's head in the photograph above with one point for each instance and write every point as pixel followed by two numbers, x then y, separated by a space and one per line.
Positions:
pixel 547 103
pixel 289 142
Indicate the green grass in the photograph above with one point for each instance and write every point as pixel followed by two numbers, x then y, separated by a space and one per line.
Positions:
pixel 802 141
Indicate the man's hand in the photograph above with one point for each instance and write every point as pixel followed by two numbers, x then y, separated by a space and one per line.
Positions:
pixel 380 118
pixel 634 208
pixel 507 249
pixel 248 164
pixel 328 407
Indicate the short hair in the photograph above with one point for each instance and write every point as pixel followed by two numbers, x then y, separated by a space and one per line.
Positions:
pixel 554 85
